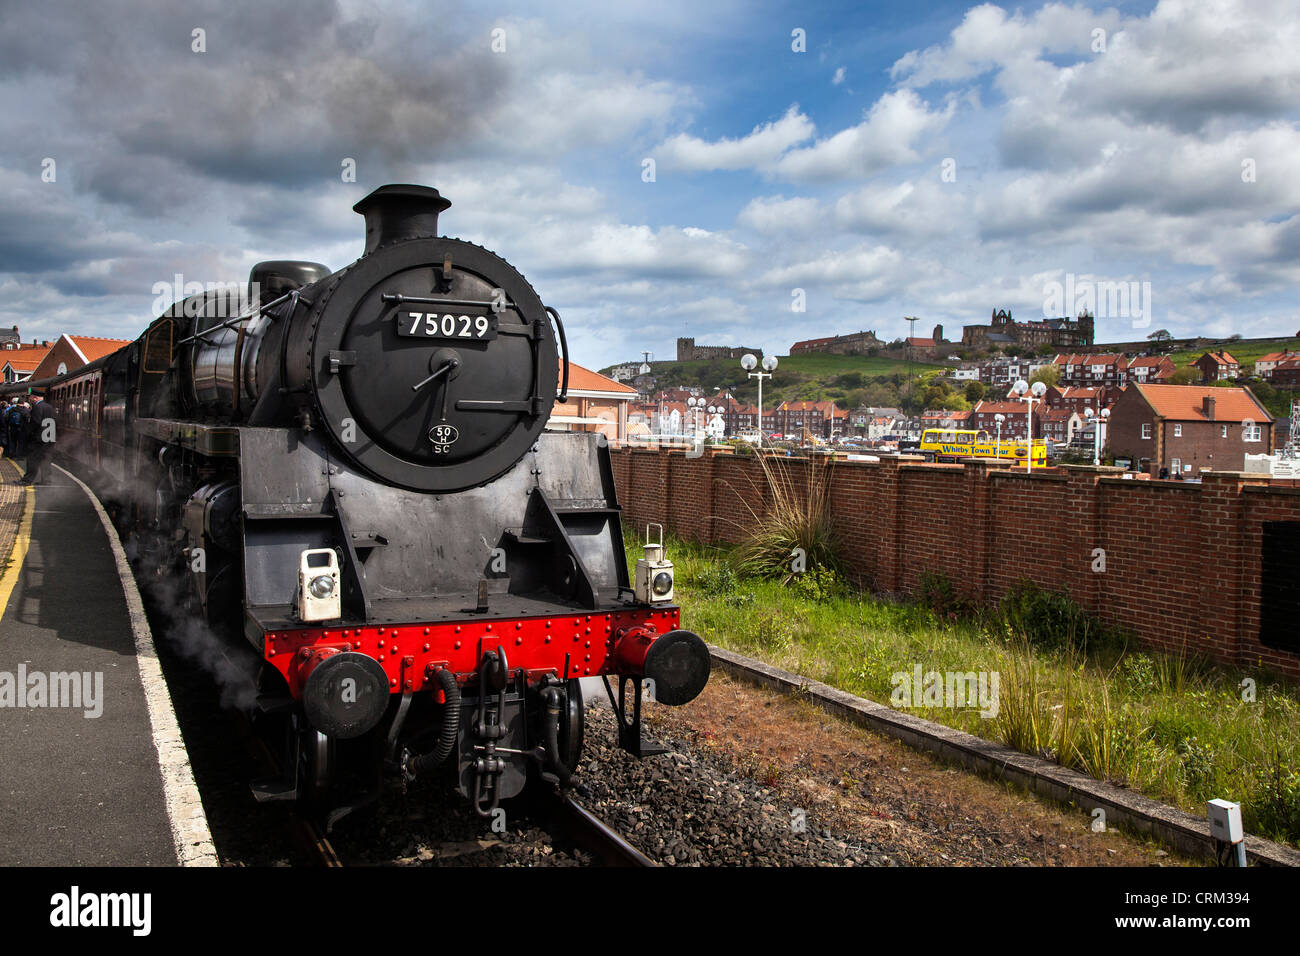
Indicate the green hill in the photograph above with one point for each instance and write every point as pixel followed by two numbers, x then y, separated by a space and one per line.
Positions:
pixel 848 380
pixel 1245 352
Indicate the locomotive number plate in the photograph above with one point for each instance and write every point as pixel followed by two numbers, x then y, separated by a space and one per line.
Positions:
pixel 446 325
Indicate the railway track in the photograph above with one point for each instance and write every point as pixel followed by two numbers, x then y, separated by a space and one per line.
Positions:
pixel 565 818
pixel 592 834
pixel 313 842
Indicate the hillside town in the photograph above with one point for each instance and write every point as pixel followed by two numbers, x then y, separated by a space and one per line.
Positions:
pixel 1160 413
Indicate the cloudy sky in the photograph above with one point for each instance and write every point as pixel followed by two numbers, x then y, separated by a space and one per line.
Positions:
pixel 659 169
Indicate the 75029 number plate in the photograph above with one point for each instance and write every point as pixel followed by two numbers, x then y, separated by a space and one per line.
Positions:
pixel 446 325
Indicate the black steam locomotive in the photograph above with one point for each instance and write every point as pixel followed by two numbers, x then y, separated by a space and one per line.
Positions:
pixel 353 471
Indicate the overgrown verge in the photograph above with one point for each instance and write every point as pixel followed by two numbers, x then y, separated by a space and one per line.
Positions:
pixel 1067 687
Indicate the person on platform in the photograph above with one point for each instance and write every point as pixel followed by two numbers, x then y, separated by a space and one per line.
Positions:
pixel 41 436
pixel 16 426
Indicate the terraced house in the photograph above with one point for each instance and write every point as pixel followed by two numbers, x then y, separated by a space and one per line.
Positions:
pixel 1151 369
pixel 1092 370
pixel 1078 397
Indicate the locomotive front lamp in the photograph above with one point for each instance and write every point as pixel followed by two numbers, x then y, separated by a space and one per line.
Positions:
pixel 322 586
pixel 654 572
pixel 318 585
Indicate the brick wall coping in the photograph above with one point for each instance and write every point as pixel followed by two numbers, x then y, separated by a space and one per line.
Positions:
pixel 930 466
pixel 1270 490
pixel 1098 469
pixel 1169 484
pixel 1036 476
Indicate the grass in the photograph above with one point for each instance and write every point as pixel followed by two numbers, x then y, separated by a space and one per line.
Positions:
pixel 1247 353
pixel 1167 725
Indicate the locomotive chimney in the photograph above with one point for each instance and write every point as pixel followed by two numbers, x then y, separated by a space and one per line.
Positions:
pixel 400 212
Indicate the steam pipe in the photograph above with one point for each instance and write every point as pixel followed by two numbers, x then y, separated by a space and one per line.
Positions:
pixel 552 697
pixel 446 731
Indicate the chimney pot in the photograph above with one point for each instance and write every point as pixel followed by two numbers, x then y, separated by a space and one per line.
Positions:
pixel 400 211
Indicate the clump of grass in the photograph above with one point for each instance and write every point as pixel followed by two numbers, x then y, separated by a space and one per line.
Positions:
pixel 1107 745
pixel 1023 719
pixel 793 518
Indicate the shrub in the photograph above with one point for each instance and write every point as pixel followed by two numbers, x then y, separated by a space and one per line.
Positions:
pixel 717 578
pixel 819 583
pixel 936 592
pixel 1049 619
pixel 1197 760
pixel 1139 672
pixel 1274 806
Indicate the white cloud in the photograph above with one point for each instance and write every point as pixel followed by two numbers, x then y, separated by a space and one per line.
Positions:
pixel 918 208
pixel 760 149
pixel 776 214
pixel 887 136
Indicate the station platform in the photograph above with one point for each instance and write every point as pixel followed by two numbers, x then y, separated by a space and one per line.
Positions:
pixel 93 769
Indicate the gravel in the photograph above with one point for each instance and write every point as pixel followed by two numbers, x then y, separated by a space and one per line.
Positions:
pixel 682 809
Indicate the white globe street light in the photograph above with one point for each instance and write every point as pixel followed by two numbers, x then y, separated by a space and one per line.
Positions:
pixel 1097 430
pixel 695 405
pixel 999 418
pixel 748 362
pixel 1029 395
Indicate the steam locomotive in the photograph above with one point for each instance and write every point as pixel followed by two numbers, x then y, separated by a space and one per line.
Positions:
pixel 353 474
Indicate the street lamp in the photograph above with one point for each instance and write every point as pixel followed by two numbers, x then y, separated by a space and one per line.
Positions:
pixel 747 362
pixel 1096 430
pixel 696 406
pixel 1029 395
pixel 999 418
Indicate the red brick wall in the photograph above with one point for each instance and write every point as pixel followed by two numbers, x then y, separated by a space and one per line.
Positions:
pixel 1182 559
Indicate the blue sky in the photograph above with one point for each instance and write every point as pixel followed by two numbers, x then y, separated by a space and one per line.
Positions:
pixel 936 160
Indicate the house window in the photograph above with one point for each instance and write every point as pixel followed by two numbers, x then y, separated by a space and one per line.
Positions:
pixel 1223 431
pixel 1178 431
pixel 1253 433
pixel 1146 430
pixel 1175 466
